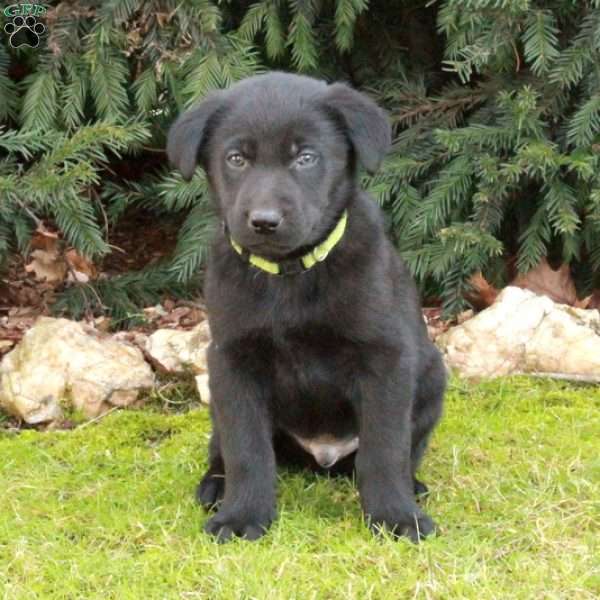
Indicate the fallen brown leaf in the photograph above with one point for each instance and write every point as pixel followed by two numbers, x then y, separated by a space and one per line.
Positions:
pixel 102 324
pixel 433 319
pixel 47 265
pixel 594 300
pixel 545 281
pixel 175 316
pixel 483 293
pixel 44 239
pixel 80 269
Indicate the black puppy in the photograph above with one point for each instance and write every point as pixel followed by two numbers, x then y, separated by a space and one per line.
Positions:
pixel 319 345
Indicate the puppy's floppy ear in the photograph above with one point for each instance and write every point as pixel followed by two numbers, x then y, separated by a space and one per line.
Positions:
pixel 367 125
pixel 190 132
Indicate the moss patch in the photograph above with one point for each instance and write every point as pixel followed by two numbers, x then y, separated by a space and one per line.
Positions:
pixel 107 511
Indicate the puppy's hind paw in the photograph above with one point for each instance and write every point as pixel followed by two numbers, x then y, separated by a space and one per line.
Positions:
pixel 420 488
pixel 210 490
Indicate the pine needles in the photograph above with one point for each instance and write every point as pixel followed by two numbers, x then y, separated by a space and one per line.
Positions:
pixel 495 106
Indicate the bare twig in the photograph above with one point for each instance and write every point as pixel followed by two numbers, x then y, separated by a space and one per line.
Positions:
pixel 566 377
pixel 98 418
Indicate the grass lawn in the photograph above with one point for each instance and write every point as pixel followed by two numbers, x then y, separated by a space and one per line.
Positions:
pixel 107 511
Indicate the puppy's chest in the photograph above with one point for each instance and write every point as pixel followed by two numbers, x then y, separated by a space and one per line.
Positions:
pixel 313 358
pixel 313 378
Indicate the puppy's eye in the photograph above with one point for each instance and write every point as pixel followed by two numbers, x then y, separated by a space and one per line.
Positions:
pixel 236 160
pixel 305 160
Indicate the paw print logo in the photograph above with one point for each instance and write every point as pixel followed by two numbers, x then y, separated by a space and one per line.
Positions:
pixel 24 31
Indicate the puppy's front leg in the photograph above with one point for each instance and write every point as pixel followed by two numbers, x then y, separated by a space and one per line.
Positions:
pixel 240 406
pixel 383 460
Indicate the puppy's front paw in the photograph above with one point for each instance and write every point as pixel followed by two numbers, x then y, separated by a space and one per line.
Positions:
pixel 225 526
pixel 413 524
pixel 210 490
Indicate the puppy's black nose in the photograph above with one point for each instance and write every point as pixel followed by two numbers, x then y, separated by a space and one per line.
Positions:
pixel 265 221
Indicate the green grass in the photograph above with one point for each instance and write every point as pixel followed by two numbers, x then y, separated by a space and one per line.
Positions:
pixel 107 511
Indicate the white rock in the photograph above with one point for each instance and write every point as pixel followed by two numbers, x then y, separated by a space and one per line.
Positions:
pixel 568 342
pixel 202 387
pixel 178 351
pixel 57 364
pixel 5 344
pixel 522 332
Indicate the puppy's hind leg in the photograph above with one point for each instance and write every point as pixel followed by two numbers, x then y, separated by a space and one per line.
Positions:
pixel 211 489
pixel 426 412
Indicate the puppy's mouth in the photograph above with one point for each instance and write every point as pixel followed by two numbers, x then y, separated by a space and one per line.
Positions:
pixel 275 246
pixel 270 248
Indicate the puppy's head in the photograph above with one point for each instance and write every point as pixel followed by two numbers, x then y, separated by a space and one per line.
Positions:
pixel 280 152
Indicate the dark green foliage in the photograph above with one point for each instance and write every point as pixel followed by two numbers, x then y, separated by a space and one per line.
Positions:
pixel 122 295
pixel 495 105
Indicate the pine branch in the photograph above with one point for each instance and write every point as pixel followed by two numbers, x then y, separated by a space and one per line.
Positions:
pixel 9 100
pixel 541 41
pixel 109 83
pixel 214 70
pixel 121 296
pixel 274 34
pixel 177 194
pixel 301 37
pixel 534 240
pixel 26 143
pixel 582 52
pixel 192 244
pixel 76 219
pixel 452 187
pixel 74 93
pixel 346 13
pixel 146 91
pixel 560 202
pixel 584 127
pixel 40 106
pixel 253 21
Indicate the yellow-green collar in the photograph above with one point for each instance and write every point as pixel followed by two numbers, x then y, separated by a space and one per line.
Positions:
pixel 310 259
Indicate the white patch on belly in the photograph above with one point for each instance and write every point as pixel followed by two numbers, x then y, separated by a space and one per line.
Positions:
pixel 328 449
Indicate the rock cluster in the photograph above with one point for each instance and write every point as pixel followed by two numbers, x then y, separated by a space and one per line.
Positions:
pixel 525 333
pixel 58 365
pixel 175 351
pixel 62 365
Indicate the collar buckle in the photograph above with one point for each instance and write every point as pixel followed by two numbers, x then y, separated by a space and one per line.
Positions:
pixel 319 253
